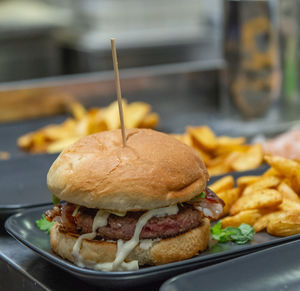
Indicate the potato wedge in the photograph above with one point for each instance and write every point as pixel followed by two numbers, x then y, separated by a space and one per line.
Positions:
pixel 263 221
pixel 263 183
pixel 225 149
pixel 59 145
pixel 287 192
pixel 271 172
pixel 204 137
pixel 229 196
pixel 222 184
pixel 230 141
pixel 284 166
pixel 204 155
pixel 288 205
pixel 244 181
pixel 212 162
pixel 150 121
pixel 265 198
pixel 77 109
pixel 218 170
pixel 250 159
pixel 246 216
pixel 285 225
pixel 134 113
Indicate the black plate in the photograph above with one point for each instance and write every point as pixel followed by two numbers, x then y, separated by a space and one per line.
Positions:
pixel 275 269
pixel 22 227
pixel 23 183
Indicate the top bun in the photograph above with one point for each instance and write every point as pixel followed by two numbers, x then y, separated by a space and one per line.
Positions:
pixel 153 170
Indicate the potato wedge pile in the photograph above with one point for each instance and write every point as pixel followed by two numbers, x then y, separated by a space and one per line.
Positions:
pixel 55 137
pixel 222 154
pixel 270 201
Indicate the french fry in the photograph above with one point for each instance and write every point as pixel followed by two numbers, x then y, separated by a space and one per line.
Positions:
pixel 222 184
pixel 180 137
pixel 222 154
pixel 60 145
pixel 263 183
pixel 244 181
pixel 250 159
pixel 271 172
pixel 288 205
pixel 212 162
pixel 204 156
pixel 285 225
pixel 287 192
pixel 78 111
pixel 150 121
pixel 111 112
pixel 269 201
pixel 225 149
pixel 231 158
pixel 53 138
pixel 204 137
pixel 263 221
pixel 96 121
pixel 229 196
pixel 246 216
pixel 134 113
pixel 218 170
pixel 287 168
pixel 284 166
pixel 265 198
pixel 230 141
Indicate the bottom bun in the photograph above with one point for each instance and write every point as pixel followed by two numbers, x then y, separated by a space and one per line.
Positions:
pixel 164 251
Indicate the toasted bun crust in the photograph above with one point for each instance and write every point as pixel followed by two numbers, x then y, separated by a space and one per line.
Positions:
pixel 165 251
pixel 153 170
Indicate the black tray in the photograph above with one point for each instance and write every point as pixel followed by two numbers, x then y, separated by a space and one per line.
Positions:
pixel 254 172
pixel 23 183
pixel 275 269
pixel 22 227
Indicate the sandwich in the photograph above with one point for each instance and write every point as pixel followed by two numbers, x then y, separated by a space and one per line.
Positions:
pixel 122 207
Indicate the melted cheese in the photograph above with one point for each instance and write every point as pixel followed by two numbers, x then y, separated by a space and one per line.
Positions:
pixel 123 248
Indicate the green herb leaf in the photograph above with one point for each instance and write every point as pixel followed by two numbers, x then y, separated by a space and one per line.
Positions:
pixel 43 224
pixel 199 196
pixel 55 200
pixel 239 235
pixel 75 210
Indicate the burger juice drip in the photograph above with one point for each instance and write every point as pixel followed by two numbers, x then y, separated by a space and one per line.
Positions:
pixel 123 248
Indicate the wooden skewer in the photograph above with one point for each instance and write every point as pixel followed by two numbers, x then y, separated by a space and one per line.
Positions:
pixel 118 88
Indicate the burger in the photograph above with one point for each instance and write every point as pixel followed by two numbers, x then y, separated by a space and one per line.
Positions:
pixel 122 207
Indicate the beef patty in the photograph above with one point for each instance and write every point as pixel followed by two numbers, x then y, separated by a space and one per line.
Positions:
pixel 123 228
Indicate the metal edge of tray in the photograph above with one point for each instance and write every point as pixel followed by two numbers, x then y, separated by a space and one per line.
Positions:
pixel 77 80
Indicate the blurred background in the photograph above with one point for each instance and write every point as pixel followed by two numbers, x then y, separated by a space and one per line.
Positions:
pixel 240 57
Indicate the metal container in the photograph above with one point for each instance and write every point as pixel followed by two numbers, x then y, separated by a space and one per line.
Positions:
pixel 252 78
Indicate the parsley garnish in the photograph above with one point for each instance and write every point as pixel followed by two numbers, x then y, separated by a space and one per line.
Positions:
pixel 75 210
pixel 199 196
pixel 55 200
pixel 240 235
pixel 43 224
